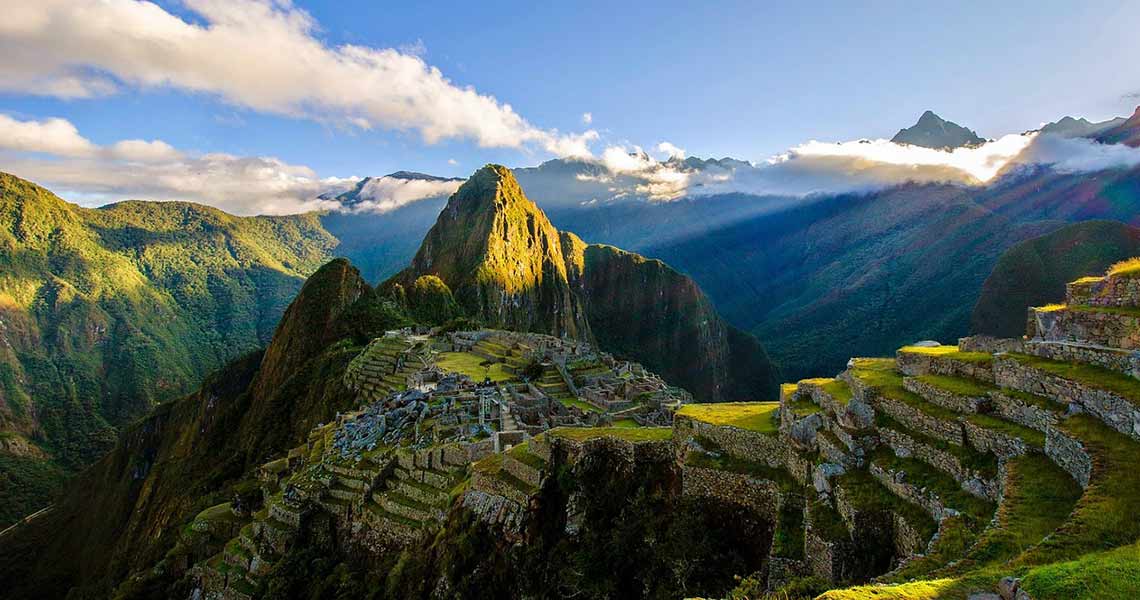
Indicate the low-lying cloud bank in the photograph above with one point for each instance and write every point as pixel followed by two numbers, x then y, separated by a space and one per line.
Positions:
pixel 859 166
pixel 53 153
pixel 385 194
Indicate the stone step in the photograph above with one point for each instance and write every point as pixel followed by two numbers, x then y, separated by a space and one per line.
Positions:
pixel 376 510
pixel 953 393
pixel 1109 395
pixel 920 484
pixel 945 360
pixel 1124 361
pixel 421 492
pixel 341 492
pixel 976 472
pixel 1110 327
pixel 399 504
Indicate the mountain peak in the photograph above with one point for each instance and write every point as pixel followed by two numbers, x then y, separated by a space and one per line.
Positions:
pixel 502 258
pixel 932 131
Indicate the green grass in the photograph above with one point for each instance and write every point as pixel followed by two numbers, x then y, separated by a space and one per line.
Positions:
pixel 866 493
pixel 220 512
pixel 752 416
pixel 803 407
pixel 1110 574
pixel 950 352
pixel 922 475
pixel 1087 375
pixel 580 404
pixel 985 464
pixel 1125 268
pixel 836 388
pixel 880 374
pixel 639 434
pixel 523 454
pixel 788 541
pixel 1039 496
pixel 625 423
pixel 723 462
pixel 472 366
pixel 827 523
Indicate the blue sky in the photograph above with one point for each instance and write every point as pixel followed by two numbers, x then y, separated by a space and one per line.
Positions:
pixel 743 79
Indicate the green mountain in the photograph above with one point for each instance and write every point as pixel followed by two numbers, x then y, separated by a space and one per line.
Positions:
pixel 1034 272
pixel 508 267
pixel 122 513
pixel 106 312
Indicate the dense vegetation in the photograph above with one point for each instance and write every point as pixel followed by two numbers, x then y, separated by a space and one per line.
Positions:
pixel 1034 272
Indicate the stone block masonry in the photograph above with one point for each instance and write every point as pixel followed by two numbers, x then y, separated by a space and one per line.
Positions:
pixel 1070 454
pixel 759 495
pixel 1104 291
pixel 1115 410
pixel 1101 328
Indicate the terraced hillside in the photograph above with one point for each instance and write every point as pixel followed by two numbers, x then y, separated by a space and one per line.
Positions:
pixel 990 467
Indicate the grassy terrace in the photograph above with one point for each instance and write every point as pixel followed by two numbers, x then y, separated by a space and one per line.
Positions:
pixel 922 475
pixel 958 385
pixel 472 366
pixel 714 459
pixel 1087 375
pixel 985 464
pixel 827 523
pixel 625 423
pixel 950 352
pixel 1064 544
pixel 803 407
pixel 880 374
pixel 631 434
pixel 835 388
pixel 523 454
pixel 579 404
pixel 866 493
pixel 1126 268
pixel 493 466
pixel 752 416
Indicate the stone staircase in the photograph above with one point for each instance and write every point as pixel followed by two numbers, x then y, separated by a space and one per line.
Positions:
pixel 553 384
pixel 416 493
pixel 383 367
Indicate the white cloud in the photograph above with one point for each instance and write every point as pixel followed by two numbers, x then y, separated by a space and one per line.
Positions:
pixel 259 54
pixel 383 194
pixel 452 161
pixel 58 157
pixel 671 150
pixel 52 136
pixel 1078 155
pixel 587 118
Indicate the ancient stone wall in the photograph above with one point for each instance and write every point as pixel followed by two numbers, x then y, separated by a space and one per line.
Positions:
pixel 1104 291
pixel 1112 329
pixel 759 495
pixel 1069 454
pixel 1114 410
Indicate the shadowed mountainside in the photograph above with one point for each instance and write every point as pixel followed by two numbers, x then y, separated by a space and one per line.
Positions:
pixel 1034 272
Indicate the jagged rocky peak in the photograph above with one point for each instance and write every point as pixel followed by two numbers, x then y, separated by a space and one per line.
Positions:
pixel 932 131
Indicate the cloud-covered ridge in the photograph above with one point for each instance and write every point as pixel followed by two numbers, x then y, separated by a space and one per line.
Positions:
pixel 52 152
pixel 260 54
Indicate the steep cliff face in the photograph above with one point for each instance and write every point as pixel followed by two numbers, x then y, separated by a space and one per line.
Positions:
pixel 508 266
pixel 501 257
pixel 644 309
